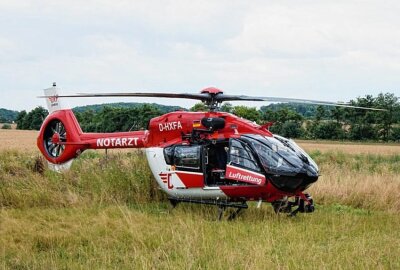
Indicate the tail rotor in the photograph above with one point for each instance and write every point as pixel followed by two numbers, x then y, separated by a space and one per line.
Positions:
pixel 54 138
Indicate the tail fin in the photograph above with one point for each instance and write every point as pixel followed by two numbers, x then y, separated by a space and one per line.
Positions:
pixel 53 101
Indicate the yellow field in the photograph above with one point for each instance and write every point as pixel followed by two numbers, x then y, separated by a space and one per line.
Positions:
pixel 18 139
pixel 350 147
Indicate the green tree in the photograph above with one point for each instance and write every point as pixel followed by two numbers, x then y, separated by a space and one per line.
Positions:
pixel 110 119
pixel 395 134
pixel 361 131
pixel 320 114
pixel 361 122
pixel 249 113
pixel 385 119
pixel 328 130
pixel 282 115
pixel 20 119
pixel 338 114
pixel 199 107
pixel 291 129
pixel 86 120
pixel 287 122
pixel 227 107
pixel 32 120
pixel 37 118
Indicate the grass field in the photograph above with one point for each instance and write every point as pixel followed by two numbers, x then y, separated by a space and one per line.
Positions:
pixel 107 213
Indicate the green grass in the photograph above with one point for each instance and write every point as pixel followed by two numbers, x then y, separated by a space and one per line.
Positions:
pixel 108 214
pixel 121 237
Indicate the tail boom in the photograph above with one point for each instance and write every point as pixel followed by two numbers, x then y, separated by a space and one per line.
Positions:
pixel 61 138
pixel 135 139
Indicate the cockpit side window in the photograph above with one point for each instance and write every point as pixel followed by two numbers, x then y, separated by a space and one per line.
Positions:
pixel 240 155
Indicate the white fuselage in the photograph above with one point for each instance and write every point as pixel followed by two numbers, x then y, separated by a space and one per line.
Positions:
pixel 171 181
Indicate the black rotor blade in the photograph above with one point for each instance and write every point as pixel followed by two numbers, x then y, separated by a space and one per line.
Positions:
pixel 162 95
pixel 220 97
pixel 223 97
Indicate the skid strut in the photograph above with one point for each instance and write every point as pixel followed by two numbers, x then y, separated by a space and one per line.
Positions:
pixel 222 205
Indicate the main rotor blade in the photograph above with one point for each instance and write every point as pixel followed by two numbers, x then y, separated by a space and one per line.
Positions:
pixel 223 97
pixel 220 97
pixel 162 95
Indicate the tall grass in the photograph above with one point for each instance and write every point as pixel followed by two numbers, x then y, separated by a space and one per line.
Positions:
pixel 107 213
pixel 93 179
pixel 360 180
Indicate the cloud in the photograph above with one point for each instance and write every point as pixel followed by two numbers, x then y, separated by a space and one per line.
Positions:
pixel 327 49
pixel 6 47
pixel 318 29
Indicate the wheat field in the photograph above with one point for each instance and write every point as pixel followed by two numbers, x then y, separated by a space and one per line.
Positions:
pixel 107 213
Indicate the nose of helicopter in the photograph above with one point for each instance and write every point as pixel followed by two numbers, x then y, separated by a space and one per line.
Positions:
pixel 288 166
pixel 291 182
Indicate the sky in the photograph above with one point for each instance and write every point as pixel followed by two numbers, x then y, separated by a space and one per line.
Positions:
pixel 325 50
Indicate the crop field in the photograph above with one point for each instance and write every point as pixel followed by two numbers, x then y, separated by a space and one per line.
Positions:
pixel 107 213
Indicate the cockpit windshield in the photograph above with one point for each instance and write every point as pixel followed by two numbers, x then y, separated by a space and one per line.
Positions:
pixel 278 156
pixel 298 150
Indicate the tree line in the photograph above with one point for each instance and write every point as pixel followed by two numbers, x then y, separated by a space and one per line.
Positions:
pixel 288 120
pixel 7 116
pixel 330 123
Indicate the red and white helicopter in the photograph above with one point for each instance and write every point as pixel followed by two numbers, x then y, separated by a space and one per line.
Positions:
pixel 209 157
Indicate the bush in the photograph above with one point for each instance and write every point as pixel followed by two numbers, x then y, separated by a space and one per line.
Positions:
pixel 395 134
pixel 6 126
pixel 327 131
pixel 362 132
pixel 291 129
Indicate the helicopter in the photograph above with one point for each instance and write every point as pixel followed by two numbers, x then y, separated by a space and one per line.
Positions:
pixel 211 157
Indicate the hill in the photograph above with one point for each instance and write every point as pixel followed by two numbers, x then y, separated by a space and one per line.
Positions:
pixel 7 116
pixel 99 107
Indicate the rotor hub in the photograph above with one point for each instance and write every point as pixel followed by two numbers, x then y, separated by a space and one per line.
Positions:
pixel 55 138
pixel 212 102
pixel 212 90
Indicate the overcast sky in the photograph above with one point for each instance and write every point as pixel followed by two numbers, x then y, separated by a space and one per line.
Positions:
pixel 327 50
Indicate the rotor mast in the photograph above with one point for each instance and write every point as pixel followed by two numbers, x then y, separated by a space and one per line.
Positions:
pixel 212 102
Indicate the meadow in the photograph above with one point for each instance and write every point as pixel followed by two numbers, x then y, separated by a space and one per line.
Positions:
pixel 107 213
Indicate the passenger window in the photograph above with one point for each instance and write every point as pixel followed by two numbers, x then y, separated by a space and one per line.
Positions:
pixel 241 156
pixel 187 157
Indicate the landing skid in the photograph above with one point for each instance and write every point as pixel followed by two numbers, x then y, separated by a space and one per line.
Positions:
pixel 222 205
